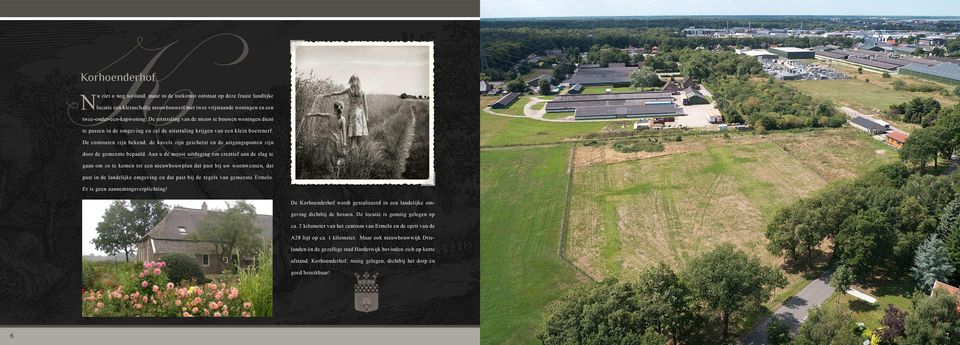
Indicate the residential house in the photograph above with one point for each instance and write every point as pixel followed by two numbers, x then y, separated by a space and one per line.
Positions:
pixel 897 139
pixel 172 235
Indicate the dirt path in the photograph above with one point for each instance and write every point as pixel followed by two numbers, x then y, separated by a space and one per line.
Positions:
pixel 528 110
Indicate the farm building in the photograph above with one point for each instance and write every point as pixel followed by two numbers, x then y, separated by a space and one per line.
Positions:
pixel 485 87
pixel 868 125
pixel 792 52
pixel 835 54
pixel 506 101
pixel 171 236
pixel 534 82
pixel 944 72
pixel 616 76
pixel 690 83
pixel 575 89
pixel 897 139
pixel 691 97
pixel 568 102
pixel 671 87
pixel 646 110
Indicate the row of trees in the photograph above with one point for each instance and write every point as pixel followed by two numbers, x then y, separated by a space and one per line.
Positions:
pixel 876 222
pixel 683 307
pixel 771 105
pixel 940 139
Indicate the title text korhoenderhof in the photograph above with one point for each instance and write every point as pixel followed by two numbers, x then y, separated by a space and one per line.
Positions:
pixel 126 77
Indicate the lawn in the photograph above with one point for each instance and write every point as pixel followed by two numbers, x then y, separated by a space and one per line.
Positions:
pixel 505 131
pixel 560 115
pixel 521 207
pixel 897 292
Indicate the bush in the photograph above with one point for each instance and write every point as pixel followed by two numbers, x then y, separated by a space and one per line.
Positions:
pixel 777 332
pixel 649 145
pixel 885 75
pixel 182 267
pixel 89 274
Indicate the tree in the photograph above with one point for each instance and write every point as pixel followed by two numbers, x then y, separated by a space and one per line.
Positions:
pixel 545 87
pixel 934 320
pixel 664 301
pixel 827 326
pixel 516 85
pixel 778 333
pixel 644 77
pixel 863 241
pixel 603 313
pixel 731 283
pixel 931 263
pixel 232 231
pixel 859 70
pixel 921 148
pixel 125 223
pixel 840 280
pixel 893 323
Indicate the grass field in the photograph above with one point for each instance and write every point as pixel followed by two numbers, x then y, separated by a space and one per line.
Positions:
pixel 630 211
pixel 503 131
pixel 521 206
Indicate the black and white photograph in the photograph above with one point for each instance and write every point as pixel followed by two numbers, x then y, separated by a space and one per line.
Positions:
pixel 362 113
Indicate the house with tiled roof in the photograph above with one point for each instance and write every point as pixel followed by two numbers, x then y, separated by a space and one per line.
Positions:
pixel 171 235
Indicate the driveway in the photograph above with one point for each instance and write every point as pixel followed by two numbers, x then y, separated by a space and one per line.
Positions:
pixel 794 310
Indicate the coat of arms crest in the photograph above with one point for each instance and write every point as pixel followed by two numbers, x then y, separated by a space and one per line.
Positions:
pixel 366 294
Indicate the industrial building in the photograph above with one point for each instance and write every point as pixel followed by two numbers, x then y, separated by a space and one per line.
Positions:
pixel 945 72
pixel 616 76
pixel 792 52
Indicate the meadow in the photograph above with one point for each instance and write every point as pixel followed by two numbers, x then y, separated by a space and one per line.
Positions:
pixel 397 147
pixel 631 210
pixel 521 206
pixel 504 131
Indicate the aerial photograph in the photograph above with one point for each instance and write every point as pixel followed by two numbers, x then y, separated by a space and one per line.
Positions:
pixel 716 172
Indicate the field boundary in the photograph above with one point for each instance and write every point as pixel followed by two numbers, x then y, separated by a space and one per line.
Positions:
pixel 564 221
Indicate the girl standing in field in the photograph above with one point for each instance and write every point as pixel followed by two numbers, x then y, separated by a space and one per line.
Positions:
pixel 356 122
pixel 339 134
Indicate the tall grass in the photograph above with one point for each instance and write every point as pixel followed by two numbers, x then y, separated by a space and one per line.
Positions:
pixel 256 284
pixel 397 146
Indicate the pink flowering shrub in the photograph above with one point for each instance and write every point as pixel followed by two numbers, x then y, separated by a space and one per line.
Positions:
pixel 151 294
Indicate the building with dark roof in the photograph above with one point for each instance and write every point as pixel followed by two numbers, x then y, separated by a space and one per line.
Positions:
pixel 839 55
pixel 535 82
pixel 945 72
pixel 878 65
pixel 691 96
pixel 575 89
pixel 172 235
pixel 506 101
pixel 616 76
pixel 868 125
pixel 672 88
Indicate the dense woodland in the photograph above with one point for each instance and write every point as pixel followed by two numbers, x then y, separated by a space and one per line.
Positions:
pixel 771 104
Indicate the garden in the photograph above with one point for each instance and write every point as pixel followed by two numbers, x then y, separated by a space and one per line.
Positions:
pixel 176 287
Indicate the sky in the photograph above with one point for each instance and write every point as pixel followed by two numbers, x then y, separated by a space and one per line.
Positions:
pixel 388 70
pixel 93 211
pixel 567 8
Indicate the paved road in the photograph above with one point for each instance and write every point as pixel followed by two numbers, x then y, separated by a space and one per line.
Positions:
pixel 794 310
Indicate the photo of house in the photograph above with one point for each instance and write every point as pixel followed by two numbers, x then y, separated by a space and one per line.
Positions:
pixel 177 258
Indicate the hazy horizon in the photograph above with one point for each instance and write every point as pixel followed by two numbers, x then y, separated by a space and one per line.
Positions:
pixel 495 9
pixel 390 70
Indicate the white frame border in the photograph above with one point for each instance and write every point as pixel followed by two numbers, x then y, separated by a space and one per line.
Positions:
pixel 294 44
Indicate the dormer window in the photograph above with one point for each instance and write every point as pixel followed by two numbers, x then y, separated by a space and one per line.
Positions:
pixel 183 230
